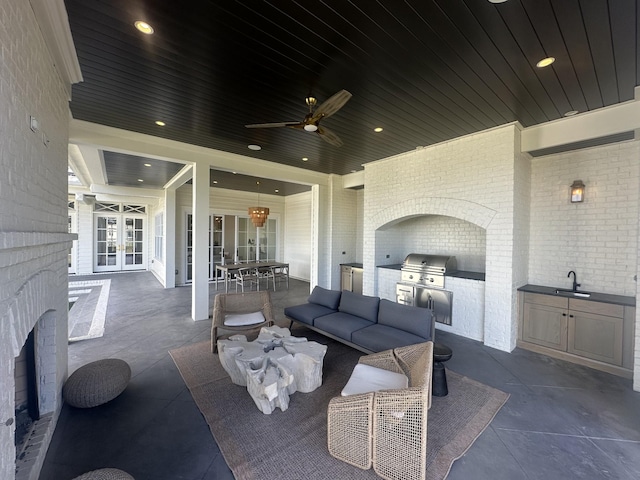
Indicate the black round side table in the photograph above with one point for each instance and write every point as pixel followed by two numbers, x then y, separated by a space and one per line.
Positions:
pixel 441 353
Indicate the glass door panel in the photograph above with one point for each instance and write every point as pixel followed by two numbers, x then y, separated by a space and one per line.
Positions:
pixel 107 257
pixel 217 236
pixel 189 265
pixel 133 243
pixel 212 251
pixel 247 240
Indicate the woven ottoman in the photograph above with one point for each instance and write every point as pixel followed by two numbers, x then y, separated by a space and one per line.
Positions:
pixel 96 383
pixel 105 474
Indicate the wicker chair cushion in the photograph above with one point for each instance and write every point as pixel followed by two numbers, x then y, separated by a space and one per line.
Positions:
pixel 105 474
pixel 96 383
pixel 365 379
pixel 243 319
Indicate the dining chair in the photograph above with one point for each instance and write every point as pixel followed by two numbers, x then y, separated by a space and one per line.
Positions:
pixel 247 277
pixel 280 273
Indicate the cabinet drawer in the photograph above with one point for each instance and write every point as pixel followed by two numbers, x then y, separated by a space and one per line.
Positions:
pixel 597 308
pixel 548 300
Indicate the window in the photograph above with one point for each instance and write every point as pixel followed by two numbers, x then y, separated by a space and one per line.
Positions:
pixel 159 238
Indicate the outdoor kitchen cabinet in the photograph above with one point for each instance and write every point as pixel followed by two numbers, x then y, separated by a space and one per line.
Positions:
pixel 351 277
pixel 587 332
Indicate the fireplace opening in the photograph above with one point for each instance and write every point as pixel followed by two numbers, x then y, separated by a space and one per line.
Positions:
pixel 27 408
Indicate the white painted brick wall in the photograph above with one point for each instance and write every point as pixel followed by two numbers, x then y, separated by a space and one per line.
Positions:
pixel 387 280
pixel 598 238
pixel 438 235
pixel 472 179
pixel 467 316
pixel 34 241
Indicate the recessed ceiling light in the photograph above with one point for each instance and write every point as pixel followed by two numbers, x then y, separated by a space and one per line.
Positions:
pixel 277 190
pixel 304 159
pixel 215 181
pixel 144 27
pixel 255 147
pixel 571 113
pixel 545 62
pixel 378 129
pixel 140 180
pixel 160 123
pixel 147 164
pixel 235 173
pixel 353 171
pixel 497 1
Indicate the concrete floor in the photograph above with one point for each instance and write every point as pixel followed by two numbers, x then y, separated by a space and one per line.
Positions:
pixel 562 421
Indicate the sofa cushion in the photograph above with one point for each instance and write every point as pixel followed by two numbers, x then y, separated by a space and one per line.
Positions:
pixel 416 320
pixel 361 306
pixel 378 337
pixel 307 312
pixel 324 297
pixel 341 324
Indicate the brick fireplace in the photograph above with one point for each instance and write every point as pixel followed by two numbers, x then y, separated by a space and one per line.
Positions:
pixel 36 308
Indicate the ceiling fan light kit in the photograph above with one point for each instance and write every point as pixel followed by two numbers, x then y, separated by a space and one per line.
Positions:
pixel 311 122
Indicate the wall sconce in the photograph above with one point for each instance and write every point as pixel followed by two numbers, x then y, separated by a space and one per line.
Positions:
pixel 577 191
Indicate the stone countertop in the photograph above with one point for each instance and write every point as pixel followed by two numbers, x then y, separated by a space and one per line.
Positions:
pixel 595 297
pixel 353 265
pixel 395 266
pixel 467 275
pixel 457 273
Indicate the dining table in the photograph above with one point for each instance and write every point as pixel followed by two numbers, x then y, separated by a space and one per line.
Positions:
pixel 229 269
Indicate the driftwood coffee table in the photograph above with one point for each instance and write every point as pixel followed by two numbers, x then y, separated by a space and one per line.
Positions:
pixel 273 366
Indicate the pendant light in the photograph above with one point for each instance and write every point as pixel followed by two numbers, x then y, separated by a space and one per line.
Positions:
pixel 258 214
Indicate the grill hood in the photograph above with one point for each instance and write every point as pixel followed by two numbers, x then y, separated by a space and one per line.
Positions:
pixel 430 263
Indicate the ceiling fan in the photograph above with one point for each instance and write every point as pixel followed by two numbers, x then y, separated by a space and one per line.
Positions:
pixel 311 121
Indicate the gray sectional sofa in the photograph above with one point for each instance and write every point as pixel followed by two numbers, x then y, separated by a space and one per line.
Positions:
pixel 363 322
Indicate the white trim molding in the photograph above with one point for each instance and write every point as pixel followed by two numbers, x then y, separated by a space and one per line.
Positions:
pixel 52 18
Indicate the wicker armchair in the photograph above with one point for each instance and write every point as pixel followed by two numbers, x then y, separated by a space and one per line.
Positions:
pixel 249 304
pixel 386 429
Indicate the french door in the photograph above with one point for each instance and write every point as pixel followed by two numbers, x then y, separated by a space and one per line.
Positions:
pixel 119 241
pixel 235 239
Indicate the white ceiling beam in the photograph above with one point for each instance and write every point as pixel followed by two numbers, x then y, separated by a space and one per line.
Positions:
pixel 180 178
pixel 352 180
pixel 124 141
pixel 93 164
pixel 603 122
pixel 78 165
pixel 127 191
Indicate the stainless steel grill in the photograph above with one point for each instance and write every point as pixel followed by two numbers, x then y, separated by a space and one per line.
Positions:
pixel 427 269
pixel 422 284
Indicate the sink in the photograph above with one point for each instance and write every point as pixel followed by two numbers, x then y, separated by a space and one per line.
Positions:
pixel 572 293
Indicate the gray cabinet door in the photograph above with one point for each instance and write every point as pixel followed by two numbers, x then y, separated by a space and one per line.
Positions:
pixel 596 336
pixel 546 326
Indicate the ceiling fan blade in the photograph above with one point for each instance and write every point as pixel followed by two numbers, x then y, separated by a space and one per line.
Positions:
pixel 272 125
pixel 330 137
pixel 331 105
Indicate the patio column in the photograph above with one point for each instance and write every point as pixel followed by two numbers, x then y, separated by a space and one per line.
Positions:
pixel 200 252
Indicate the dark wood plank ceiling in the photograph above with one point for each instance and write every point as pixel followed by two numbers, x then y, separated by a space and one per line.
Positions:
pixel 424 70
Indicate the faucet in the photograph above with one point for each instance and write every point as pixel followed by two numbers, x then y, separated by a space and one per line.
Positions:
pixel 575 281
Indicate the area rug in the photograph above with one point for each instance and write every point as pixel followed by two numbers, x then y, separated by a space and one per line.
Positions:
pixel 292 445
